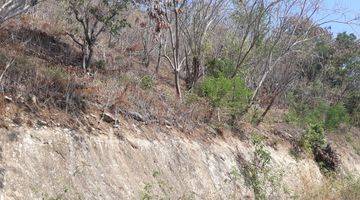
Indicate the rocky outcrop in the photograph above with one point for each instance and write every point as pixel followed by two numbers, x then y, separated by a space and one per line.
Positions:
pixel 133 162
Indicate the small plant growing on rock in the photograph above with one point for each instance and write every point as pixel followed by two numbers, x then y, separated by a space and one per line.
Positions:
pixel 314 137
pixel 256 171
pixel 314 141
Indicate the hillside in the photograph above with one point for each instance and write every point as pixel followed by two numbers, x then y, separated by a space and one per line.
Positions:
pixel 179 100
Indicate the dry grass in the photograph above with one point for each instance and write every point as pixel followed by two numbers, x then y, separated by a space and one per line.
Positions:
pixel 347 188
pixel 46 84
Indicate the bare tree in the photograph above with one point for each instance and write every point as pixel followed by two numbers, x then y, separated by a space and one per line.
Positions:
pixel 149 41
pixel 292 27
pixel 12 8
pixel 94 17
pixel 160 48
pixel 167 16
pixel 252 25
pixel 200 17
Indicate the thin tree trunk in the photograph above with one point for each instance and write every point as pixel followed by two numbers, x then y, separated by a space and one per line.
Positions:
pixel 146 61
pixel 188 71
pixel 84 52
pixel 267 109
pixel 177 84
pixel 263 78
pixel 89 57
pixel 196 70
pixel 159 58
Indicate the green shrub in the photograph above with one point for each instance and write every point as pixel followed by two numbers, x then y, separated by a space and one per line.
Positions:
pixel 352 105
pixel 314 137
pixel 220 67
pixel 147 82
pixel 303 114
pixel 335 116
pixel 223 92
pixel 256 171
pixel 330 117
pixel 100 64
pixel 265 182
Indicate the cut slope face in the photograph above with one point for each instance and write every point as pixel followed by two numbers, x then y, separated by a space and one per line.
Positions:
pixel 136 162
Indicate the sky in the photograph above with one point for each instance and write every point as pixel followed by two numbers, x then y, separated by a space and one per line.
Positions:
pixel 341 10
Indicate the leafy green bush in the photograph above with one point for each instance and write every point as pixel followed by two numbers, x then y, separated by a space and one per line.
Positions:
pixel 303 114
pixel 220 67
pixel 335 116
pixel 223 92
pixel 330 117
pixel 314 137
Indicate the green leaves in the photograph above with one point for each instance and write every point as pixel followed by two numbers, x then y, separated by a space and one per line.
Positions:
pixel 222 90
pixel 228 93
pixel 336 115
pixel 220 67
pixel 314 137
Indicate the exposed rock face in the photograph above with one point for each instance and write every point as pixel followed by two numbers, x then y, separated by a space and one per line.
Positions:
pixel 60 163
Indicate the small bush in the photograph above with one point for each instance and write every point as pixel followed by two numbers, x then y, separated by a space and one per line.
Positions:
pixel 220 67
pixel 265 182
pixel 228 93
pixel 330 117
pixel 335 116
pixel 256 171
pixel 314 137
pixel 327 159
pixel 147 82
pixel 223 91
pixel 100 64
pixel 314 141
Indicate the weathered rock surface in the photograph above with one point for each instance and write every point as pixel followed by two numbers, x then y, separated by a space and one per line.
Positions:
pixel 65 164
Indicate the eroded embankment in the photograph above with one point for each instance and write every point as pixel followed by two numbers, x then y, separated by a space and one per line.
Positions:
pixel 60 163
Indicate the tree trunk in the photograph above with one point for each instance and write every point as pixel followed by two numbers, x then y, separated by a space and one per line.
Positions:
pixel 267 109
pixel 84 55
pixel 196 70
pixel 188 72
pixel 256 92
pixel 177 84
pixel 159 57
pixel 146 61
pixel 89 57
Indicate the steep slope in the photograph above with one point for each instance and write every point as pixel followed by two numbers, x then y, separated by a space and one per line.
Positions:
pixel 139 161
